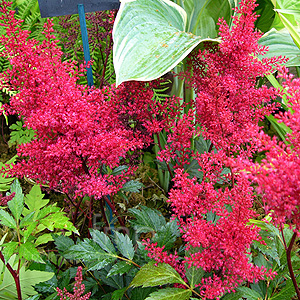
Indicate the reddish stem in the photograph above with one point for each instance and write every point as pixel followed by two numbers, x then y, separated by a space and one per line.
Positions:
pixel 112 206
pixel 15 276
pixel 289 261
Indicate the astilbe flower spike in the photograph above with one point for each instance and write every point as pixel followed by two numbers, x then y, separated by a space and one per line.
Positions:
pixel 77 129
pixel 78 289
pixel 214 212
pixel 278 175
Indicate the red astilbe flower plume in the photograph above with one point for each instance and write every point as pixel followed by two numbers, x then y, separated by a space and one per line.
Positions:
pixel 278 174
pixel 214 212
pixel 224 77
pixel 77 130
pixel 78 289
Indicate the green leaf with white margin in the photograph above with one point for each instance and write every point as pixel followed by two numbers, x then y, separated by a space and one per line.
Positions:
pixel 170 294
pixel 151 275
pixel 150 39
pixel 16 205
pixel 291 28
pixel 281 43
pixel 286 5
pixel 124 245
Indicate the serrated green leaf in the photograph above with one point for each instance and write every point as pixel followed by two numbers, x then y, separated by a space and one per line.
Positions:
pixel 194 275
pixel 9 250
pixel 120 268
pixel 119 170
pixel 58 221
pixel 5 182
pixel 150 39
pixel 140 293
pixel 132 186
pixel 170 294
pixel 34 200
pixel 103 240
pixel 16 205
pixel 167 235
pixel 249 293
pixel 124 245
pixel 151 275
pixel 233 296
pixel 62 243
pixel 27 220
pixel 43 239
pixel 91 253
pixel 7 220
pixel 29 230
pixel 115 281
pixel 147 219
pixel 118 294
pixel 29 252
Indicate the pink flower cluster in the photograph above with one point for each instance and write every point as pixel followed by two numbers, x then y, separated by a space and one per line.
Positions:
pixel 78 289
pixel 78 130
pixel 214 211
pixel 278 175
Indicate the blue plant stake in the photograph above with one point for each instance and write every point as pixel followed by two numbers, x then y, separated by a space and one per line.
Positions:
pixel 52 8
pixel 85 42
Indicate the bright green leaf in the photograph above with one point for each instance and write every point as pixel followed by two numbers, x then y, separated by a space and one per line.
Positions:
pixel 16 205
pixel 118 294
pixel 7 220
pixel 292 30
pixel 34 200
pixel 170 294
pixel 151 275
pixel 29 252
pixel 9 249
pixel 43 239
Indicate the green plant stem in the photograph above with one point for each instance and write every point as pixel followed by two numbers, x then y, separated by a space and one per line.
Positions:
pixel 289 261
pixel 15 276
